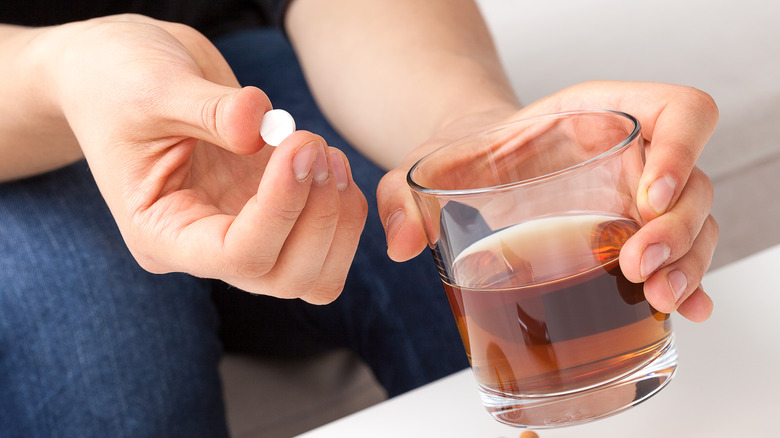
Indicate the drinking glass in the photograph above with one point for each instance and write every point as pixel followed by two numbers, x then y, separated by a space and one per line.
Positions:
pixel 525 223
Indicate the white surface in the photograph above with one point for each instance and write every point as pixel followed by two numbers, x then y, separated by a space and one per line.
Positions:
pixel 727 383
pixel 277 125
pixel 728 48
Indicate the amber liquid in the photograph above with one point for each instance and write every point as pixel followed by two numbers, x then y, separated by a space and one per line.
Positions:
pixel 543 307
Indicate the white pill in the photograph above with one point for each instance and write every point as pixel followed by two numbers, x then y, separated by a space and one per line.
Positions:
pixel 277 124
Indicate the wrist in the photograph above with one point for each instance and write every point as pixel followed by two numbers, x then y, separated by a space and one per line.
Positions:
pixel 42 55
pixel 34 135
pixel 484 95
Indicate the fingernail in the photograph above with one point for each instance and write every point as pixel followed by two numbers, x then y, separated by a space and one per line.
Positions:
pixel 339 171
pixel 394 223
pixel 321 168
pixel 303 161
pixel 677 283
pixel 660 193
pixel 654 256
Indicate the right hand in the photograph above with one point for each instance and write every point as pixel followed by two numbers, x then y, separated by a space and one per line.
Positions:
pixel 174 146
pixel 676 123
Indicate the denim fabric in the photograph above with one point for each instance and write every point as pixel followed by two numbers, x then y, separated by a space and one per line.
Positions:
pixel 90 344
pixel 93 346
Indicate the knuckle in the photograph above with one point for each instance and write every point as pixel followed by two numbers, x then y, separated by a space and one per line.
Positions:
pixel 145 260
pixel 313 288
pixel 297 288
pixel 148 263
pixel 706 189
pixel 183 30
pixel 361 211
pixel 714 228
pixel 319 300
pixel 709 189
pixel 188 35
pixel 703 103
pixel 326 218
pixel 131 17
pixel 705 179
pixel 257 266
pixel 388 182
pixel 209 115
pixel 285 213
pixel 688 236
pixel 680 232
pixel 684 152
pixel 325 293
pixel 389 189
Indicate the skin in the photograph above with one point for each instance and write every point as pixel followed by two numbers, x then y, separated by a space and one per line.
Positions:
pixel 174 146
pixel 681 221
pixel 173 142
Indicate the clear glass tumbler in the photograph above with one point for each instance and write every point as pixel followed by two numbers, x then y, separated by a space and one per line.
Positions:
pixel 525 223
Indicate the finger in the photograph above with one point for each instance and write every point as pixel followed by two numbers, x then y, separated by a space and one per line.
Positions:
pixel 676 121
pixel 403 223
pixel 676 137
pixel 306 247
pixel 303 252
pixel 258 233
pixel 224 116
pixel 201 97
pixel 673 285
pixel 317 254
pixel 670 236
pixel 345 241
pixel 698 307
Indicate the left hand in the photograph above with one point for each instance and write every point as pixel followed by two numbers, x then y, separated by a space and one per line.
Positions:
pixel 173 143
pixel 673 250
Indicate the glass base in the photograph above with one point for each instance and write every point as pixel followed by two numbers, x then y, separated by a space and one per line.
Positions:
pixel 540 412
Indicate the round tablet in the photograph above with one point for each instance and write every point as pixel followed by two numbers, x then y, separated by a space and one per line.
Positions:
pixel 277 124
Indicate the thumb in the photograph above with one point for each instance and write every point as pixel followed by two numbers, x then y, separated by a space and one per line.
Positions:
pixel 400 216
pixel 225 116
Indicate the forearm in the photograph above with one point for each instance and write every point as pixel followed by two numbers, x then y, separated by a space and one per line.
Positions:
pixel 388 73
pixel 34 136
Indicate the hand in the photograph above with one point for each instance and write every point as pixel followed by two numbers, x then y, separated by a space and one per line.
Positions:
pixel 673 250
pixel 174 145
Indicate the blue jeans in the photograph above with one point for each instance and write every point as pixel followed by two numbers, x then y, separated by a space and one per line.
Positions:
pixel 91 345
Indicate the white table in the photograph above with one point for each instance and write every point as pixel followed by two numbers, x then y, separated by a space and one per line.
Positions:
pixel 727 383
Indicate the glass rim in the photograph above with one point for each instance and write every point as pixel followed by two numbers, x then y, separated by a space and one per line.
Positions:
pixel 614 150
